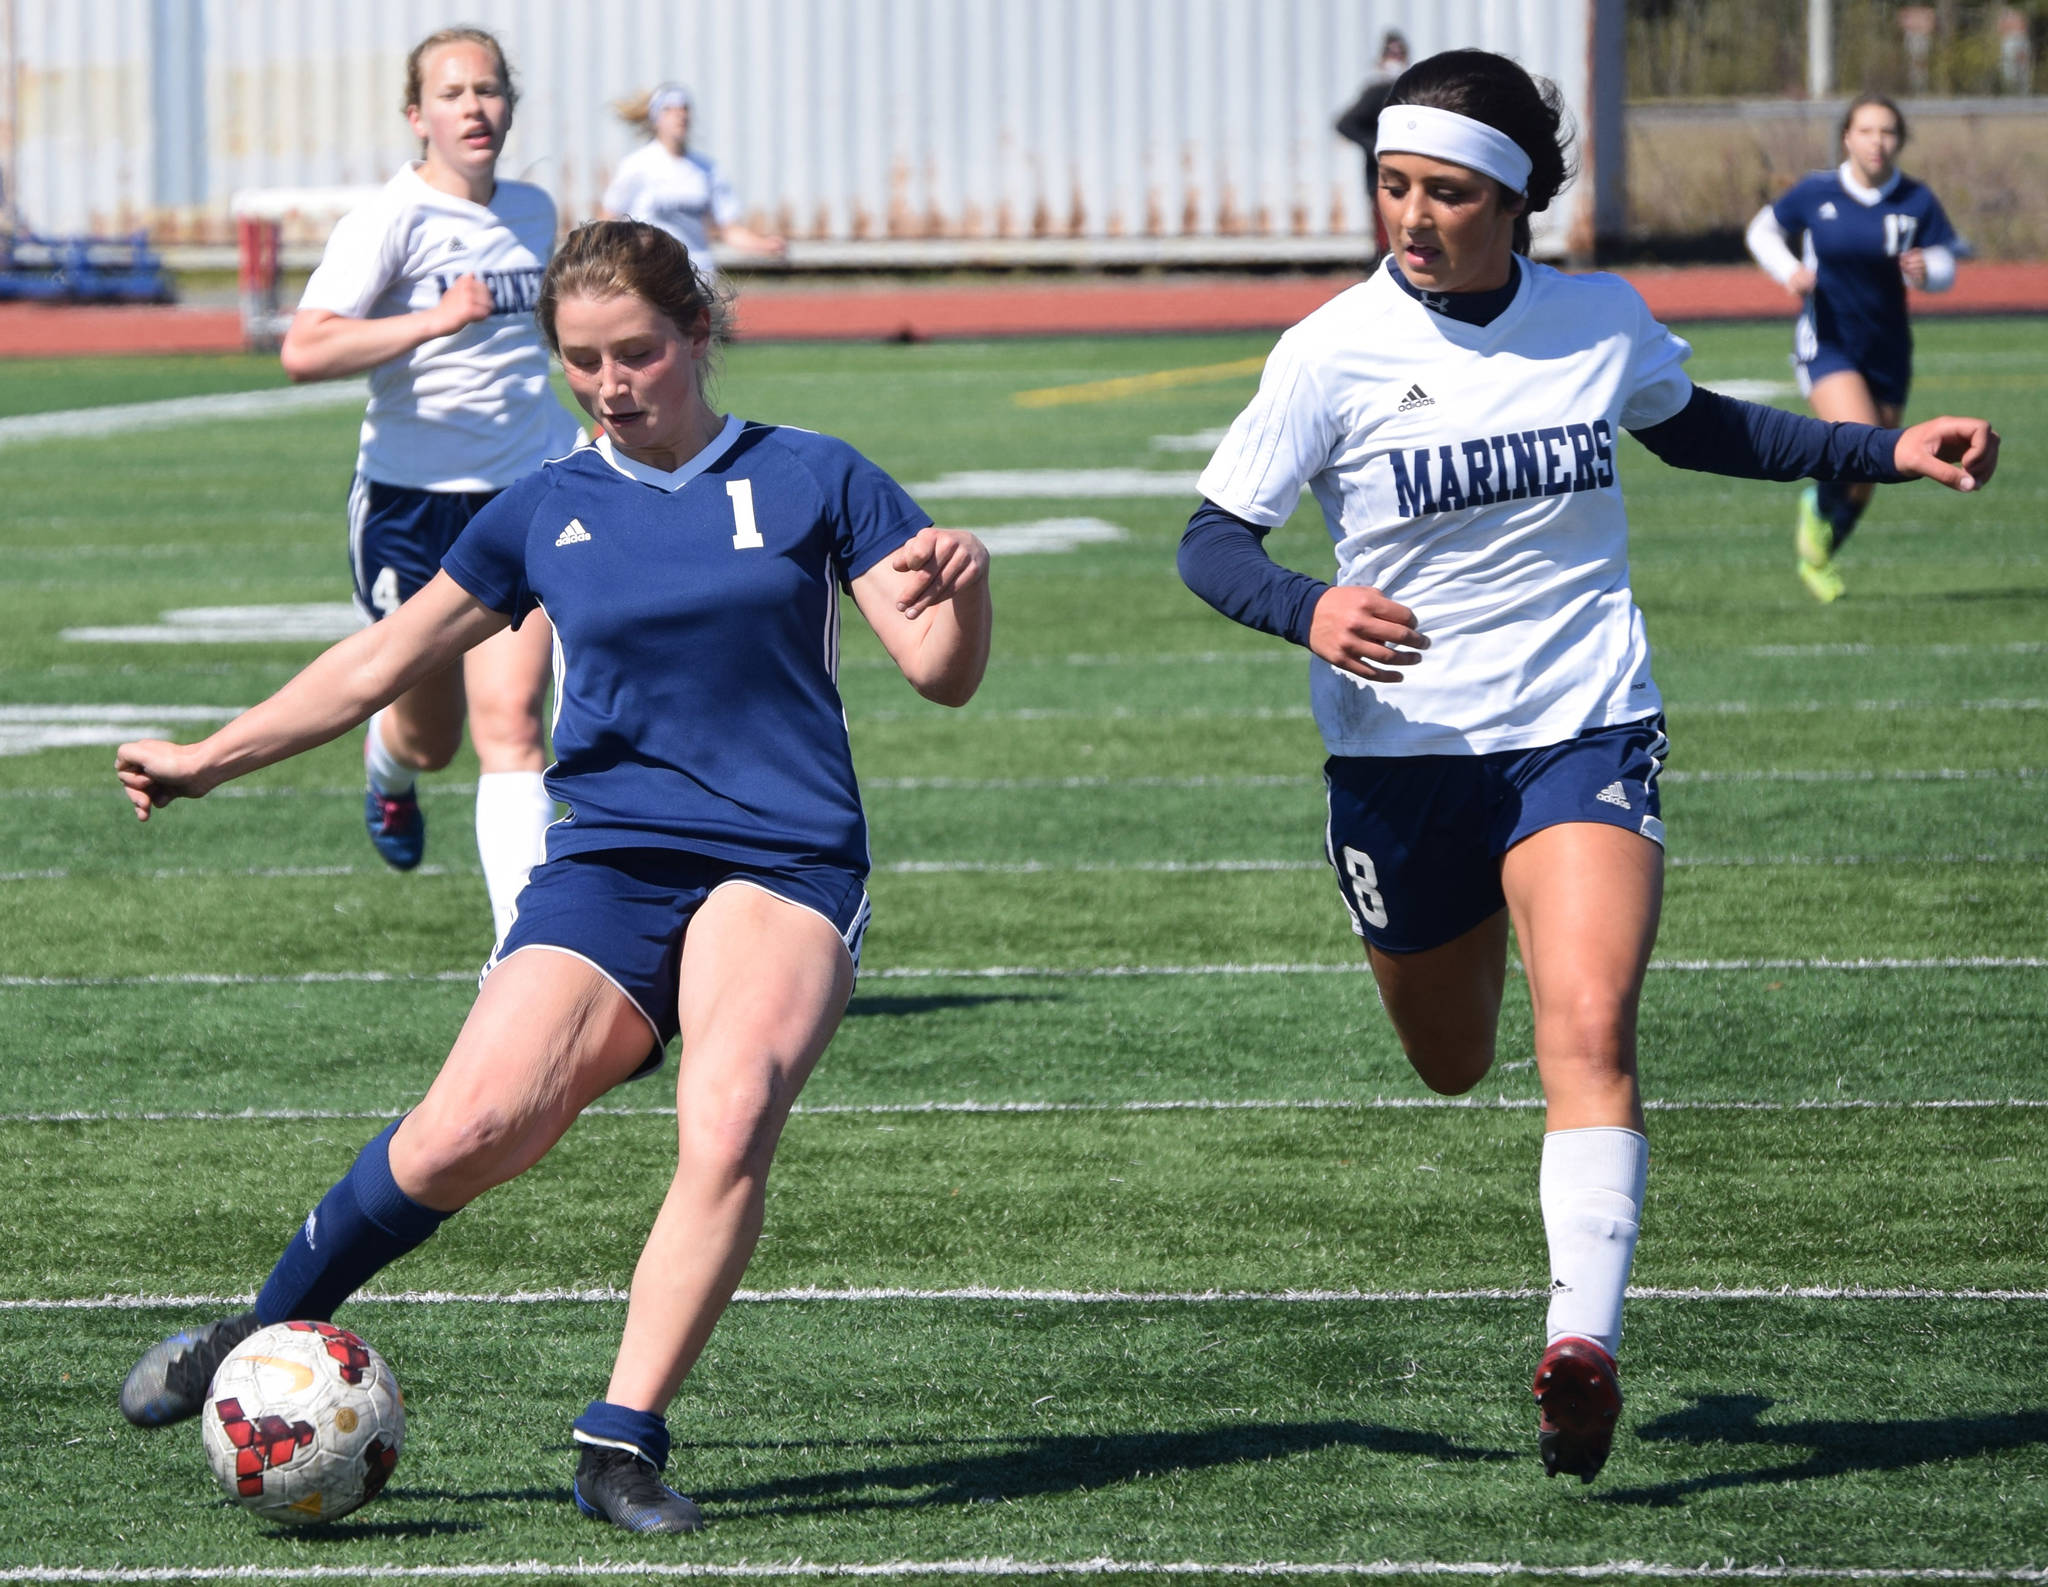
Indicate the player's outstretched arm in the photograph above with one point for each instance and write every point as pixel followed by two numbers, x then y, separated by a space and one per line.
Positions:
pixel 321 345
pixel 1959 453
pixel 341 688
pixel 929 606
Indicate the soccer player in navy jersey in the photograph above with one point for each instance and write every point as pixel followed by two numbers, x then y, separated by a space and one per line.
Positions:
pixel 709 876
pixel 1869 231
pixel 1482 675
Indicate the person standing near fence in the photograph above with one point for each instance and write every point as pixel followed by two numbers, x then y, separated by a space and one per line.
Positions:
pixel 1360 121
pixel 1869 231
pixel 684 193
pixel 430 287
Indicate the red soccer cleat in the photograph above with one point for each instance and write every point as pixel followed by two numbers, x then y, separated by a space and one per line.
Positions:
pixel 1578 1397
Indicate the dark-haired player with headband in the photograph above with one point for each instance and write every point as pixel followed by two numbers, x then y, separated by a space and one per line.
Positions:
pixel 1867 231
pixel 1481 676
pixel 710 875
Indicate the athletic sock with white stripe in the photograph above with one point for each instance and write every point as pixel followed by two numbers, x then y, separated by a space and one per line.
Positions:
pixel 643 1433
pixel 513 812
pixel 363 1224
pixel 388 776
pixel 1592 1193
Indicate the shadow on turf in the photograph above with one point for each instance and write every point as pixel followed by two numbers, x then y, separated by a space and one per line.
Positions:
pixel 1080 1461
pixel 1833 1448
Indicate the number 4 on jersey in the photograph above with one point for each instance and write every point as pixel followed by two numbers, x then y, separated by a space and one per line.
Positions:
pixel 745 537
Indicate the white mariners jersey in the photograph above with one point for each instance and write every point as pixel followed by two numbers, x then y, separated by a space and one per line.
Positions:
pixel 1468 471
pixel 472 411
pixel 676 192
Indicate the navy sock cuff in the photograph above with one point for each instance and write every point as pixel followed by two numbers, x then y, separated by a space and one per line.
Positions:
pixel 383 1203
pixel 644 1432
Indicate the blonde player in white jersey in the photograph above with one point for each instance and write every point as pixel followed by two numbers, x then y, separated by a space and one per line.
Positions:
pixel 1482 680
pixel 431 287
pixel 663 183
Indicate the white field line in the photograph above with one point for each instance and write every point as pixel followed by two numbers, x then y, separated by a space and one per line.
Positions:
pixel 2017 647
pixel 884 1293
pixel 128 417
pixel 1431 1104
pixel 1022 972
pixel 1004 1566
pixel 1029 867
pixel 268 873
pixel 1063 784
pixel 1301 713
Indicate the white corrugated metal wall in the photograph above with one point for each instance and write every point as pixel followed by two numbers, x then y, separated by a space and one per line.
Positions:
pixel 1069 126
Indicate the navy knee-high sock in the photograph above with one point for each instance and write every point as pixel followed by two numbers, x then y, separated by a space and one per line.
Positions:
pixel 1839 509
pixel 363 1224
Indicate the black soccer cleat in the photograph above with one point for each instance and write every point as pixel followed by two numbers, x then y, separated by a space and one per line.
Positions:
pixel 169 1383
pixel 1578 1398
pixel 616 1485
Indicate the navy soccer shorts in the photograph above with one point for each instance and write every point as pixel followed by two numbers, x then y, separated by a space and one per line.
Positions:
pixel 1888 374
pixel 1417 840
pixel 624 913
pixel 397 537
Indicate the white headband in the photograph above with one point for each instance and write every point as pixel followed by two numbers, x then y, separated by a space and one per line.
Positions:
pixel 1446 135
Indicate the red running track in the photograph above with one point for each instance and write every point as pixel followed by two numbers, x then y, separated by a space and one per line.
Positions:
pixel 770 311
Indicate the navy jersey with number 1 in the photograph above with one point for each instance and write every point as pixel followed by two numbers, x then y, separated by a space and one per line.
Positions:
pixel 696 618
pixel 1857 311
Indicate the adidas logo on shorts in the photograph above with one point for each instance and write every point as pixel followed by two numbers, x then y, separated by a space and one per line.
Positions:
pixel 1416 398
pixel 1612 795
pixel 575 534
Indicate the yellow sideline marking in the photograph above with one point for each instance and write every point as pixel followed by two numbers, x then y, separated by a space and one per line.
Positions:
pixel 1134 385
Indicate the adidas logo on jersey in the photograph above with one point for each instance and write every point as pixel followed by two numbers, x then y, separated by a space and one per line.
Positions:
pixel 1827 212
pixel 574 535
pixel 1416 398
pixel 1612 795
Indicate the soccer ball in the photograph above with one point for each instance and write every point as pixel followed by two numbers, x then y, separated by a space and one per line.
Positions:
pixel 303 1422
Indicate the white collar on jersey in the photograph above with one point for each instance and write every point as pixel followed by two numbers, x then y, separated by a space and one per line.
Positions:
pixel 1862 191
pixel 1446 135
pixel 672 480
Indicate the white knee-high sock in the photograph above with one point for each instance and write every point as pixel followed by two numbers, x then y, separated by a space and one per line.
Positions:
pixel 1592 1194
pixel 387 775
pixel 513 810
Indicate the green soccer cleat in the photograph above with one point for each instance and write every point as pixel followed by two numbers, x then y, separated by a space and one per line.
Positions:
pixel 1824 584
pixel 1813 535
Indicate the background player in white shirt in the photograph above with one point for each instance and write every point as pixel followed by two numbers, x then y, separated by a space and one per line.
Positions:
pixel 685 194
pixel 709 877
pixel 1457 418
pixel 431 288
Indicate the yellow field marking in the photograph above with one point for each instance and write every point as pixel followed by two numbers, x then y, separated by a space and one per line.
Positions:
pixel 1136 385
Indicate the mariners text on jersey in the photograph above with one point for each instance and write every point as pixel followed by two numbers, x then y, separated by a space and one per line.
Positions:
pixel 1552 461
pixel 1468 471
pixel 512 291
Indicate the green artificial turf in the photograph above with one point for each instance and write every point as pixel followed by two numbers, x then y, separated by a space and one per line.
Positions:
pixel 1067 871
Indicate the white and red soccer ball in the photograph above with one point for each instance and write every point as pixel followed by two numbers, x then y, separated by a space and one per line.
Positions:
pixel 303 1422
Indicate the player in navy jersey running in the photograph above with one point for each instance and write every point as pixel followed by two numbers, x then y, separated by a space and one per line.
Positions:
pixel 1868 231
pixel 709 877
pixel 1482 677
pixel 430 288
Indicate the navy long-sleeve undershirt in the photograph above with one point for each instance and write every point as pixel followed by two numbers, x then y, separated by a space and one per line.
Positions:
pixel 1224 560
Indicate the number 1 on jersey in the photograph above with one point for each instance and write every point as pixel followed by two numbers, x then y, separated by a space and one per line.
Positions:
pixel 745 537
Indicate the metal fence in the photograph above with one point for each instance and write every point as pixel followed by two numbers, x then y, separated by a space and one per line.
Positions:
pixel 865 130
